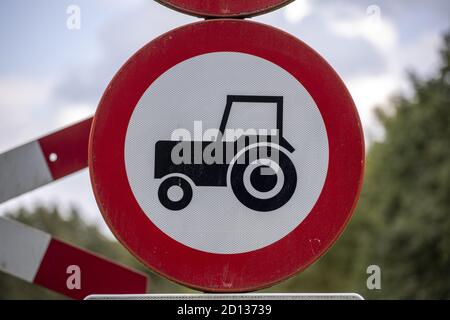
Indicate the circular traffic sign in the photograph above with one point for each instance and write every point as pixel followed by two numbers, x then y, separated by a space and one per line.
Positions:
pixel 227 8
pixel 226 155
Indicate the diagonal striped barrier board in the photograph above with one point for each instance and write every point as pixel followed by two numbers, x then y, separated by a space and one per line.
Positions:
pixel 36 257
pixel 45 160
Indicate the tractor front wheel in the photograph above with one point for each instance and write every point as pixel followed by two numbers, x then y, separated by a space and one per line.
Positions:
pixel 175 193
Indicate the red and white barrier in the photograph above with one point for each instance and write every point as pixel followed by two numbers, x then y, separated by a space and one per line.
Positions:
pixel 42 161
pixel 36 257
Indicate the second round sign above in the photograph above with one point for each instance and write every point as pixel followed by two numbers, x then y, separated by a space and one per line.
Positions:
pixel 225 8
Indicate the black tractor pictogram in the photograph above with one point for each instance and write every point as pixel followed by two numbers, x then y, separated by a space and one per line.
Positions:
pixel 257 164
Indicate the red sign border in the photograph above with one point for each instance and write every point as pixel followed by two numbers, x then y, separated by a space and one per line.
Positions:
pixel 222 9
pixel 233 272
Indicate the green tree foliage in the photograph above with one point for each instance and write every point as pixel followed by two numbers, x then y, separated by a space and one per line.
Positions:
pixel 409 186
pixel 402 222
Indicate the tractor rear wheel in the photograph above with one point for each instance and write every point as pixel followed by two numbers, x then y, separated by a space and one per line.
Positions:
pixel 264 184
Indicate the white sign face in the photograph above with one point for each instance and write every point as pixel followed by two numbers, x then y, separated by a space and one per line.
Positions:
pixel 191 98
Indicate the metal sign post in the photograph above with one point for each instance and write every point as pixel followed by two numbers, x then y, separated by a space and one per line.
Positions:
pixel 231 297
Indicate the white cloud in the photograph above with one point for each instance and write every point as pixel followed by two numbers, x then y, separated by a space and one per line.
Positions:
pixel 421 56
pixel 372 91
pixel 379 31
pixel 297 11
pixel 73 113
pixel 122 5
pixel 19 93
pixel 23 100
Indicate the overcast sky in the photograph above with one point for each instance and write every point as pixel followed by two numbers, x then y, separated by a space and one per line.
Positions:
pixel 51 76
